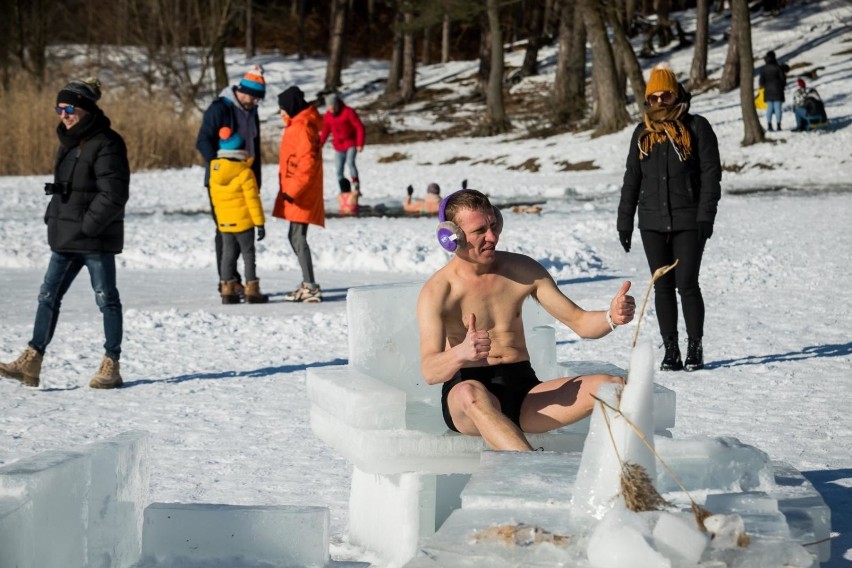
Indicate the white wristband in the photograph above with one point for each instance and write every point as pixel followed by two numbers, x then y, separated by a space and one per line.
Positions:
pixel 612 324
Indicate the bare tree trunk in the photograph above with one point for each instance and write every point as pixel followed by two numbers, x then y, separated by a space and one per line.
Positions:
pixel 534 39
pixel 409 58
pixel 484 71
pixel 625 54
pixel 611 113
pixel 698 71
pixel 336 45
pixel 731 72
pixel 395 70
pixel 445 39
pixel 424 55
pixel 251 47
pixel 497 121
pixel 753 132
pixel 300 24
pixel 220 70
pixel 551 18
pixel 629 16
pixel 569 85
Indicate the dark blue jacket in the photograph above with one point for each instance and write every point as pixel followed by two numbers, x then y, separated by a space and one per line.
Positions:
pixel 221 113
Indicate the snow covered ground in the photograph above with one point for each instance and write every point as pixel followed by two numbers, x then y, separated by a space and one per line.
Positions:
pixel 221 388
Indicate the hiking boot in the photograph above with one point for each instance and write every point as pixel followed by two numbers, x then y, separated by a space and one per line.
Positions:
pixel 26 368
pixel 108 375
pixel 253 295
pixel 770 129
pixel 356 185
pixel 305 294
pixel 228 292
pixel 694 355
pixel 671 360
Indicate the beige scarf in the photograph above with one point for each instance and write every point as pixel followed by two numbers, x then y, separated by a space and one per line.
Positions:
pixel 664 123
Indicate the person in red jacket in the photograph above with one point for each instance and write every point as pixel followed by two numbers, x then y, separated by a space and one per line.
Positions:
pixel 300 198
pixel 347 132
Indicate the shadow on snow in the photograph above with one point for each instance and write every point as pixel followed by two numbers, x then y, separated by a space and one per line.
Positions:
pixel 253 374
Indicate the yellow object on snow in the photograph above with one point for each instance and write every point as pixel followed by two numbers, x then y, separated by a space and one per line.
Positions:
pixel 759 101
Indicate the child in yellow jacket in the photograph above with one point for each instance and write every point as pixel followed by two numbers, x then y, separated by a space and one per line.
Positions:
pixel 238 210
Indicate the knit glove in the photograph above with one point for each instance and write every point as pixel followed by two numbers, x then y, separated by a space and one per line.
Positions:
pixel 626 237
pixel 261 233
pixel 705 230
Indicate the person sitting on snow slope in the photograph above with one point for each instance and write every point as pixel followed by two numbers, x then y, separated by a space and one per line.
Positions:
pixel 472 336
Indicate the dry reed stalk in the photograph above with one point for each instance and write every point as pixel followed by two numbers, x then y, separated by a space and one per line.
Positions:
pixel 659 273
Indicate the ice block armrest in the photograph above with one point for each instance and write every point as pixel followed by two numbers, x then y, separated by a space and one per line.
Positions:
pixel 356 398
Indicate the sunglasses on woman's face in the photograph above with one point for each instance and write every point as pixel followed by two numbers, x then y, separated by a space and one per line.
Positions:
pixel 69 110
pixel 665 98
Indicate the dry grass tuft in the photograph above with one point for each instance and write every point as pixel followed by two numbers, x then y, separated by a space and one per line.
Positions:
pixel 530 165
pixel 638 490
pixel 566 166
pixel 157 135
pixel 395 157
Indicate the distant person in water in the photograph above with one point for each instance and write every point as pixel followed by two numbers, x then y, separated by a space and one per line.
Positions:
pixel 427 206
pixel 347 200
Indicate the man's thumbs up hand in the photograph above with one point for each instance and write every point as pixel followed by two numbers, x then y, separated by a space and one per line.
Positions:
pixel 623 306
pixel 476 344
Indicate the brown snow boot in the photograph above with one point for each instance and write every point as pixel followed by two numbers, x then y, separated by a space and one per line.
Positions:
pixel 26 368
pixel 108 375
pixel 228 292
pixel 253 295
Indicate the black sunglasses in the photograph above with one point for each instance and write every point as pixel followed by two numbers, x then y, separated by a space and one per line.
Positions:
pixel 69 110
pixel 666 98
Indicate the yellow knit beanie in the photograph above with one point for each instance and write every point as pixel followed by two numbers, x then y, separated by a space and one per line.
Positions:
pixel 662 79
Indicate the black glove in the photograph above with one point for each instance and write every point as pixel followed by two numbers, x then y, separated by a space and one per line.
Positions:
pixel 286 197
pixel 410 190
pixel 261 233
pixel 625 237
pixel 705 230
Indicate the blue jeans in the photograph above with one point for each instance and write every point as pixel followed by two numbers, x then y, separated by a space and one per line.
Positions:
pixel 801 114
pixel 61 272
pixel 773 107
pixel 347 156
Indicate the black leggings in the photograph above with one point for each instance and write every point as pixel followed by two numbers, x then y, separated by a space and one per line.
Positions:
pixel 662 249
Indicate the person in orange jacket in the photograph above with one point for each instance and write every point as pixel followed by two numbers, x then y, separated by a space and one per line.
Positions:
pixel 300 198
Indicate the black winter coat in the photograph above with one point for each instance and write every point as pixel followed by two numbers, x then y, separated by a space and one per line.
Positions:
pixel 672 195
pixel 92 158
pixel 221 113
pixel 773 79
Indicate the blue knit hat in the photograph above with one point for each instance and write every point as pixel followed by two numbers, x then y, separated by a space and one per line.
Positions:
pixel 231 145
pixel 253 83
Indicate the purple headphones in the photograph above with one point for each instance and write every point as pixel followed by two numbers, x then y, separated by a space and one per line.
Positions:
pixel 450 236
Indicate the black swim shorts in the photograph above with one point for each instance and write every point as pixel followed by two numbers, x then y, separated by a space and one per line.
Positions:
pixel 509 382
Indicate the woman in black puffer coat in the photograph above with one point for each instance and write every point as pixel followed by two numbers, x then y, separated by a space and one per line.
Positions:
pixel 673 177
pixel 85 227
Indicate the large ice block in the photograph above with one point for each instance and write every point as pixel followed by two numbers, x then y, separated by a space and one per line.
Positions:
pixel 637 404
pixel 808 516
pixel 57 483
pixel 277 535
pixel 357 399
pixel 508 480
pixel 118 496
pixel 384 338
pixel 16 531
pixel 721 463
